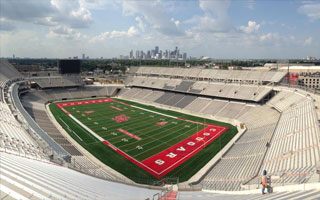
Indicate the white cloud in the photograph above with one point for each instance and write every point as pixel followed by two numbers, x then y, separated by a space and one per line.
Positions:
pixel 153 13
pixel 310 9
pixel 276 39
pixel 215 17
pixel 73 13
pixel 46 21
pixel 6 25
pixel 252 27
pixel 25 10
pixel 308 41
pixel 217 9
pixel 64 32
pixel 269 37
pixel 131 32
pixel 176 22
pixel 140 23
pixel 212 25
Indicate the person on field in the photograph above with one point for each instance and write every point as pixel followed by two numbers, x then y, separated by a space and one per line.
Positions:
pixel 264 181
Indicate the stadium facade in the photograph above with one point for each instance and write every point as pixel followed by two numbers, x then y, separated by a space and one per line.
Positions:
pixel 278 131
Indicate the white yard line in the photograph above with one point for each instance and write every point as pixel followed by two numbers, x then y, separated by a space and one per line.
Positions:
pixel 154 112
pixel 70 129
pixel 101 139
pixel 166 142
pixel 142 132
pixel 155 135
pixel 86 128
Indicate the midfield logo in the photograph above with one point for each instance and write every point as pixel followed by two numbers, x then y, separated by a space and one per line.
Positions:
pixel 161 123
pixel 120 118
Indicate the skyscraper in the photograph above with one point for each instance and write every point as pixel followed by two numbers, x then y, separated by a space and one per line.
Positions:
pixel 131 54
pixel 184 56
pixel 148 55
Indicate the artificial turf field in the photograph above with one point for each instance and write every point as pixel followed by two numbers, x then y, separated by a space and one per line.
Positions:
pixel 142 142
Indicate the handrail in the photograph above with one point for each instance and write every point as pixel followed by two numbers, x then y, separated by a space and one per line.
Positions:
pixel 265 153
pixel 60 152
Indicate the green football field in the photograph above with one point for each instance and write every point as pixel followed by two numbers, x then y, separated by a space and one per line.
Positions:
pixel 119 131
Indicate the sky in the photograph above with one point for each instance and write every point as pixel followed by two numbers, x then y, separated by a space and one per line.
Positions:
pixel 238 29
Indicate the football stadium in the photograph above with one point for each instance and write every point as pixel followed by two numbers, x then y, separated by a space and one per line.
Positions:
pixel 163 133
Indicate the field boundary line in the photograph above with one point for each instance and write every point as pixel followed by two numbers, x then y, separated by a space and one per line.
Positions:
pixel 116 149
pixel 84 151
pixel 70 129
pixel 136 118
pixel 86 128
pixel 154 112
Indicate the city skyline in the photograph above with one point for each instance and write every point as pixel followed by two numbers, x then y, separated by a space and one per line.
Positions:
pixel 156 54
pixel 215 29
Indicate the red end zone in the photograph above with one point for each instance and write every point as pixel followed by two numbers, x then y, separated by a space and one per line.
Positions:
pixel 167 160
pixel 83 102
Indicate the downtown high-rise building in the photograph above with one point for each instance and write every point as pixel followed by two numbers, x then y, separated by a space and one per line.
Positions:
pixel 131 54
pixel 156 54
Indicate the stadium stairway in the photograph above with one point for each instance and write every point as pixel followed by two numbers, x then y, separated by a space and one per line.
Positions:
pixel 169 196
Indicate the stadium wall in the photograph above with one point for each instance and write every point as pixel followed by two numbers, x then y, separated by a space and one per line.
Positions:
pixel 263 99
pixel 60 152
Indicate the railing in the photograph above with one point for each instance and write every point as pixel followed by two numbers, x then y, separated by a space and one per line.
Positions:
pixel 162 194
pixel 266 151
pixel 35 127
pixel 285 179
pixel 304 88
pixel 96 172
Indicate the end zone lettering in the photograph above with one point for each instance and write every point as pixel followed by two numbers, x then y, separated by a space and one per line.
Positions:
pixel 169 159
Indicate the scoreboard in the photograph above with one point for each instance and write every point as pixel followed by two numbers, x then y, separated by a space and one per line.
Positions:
pixel 69 66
